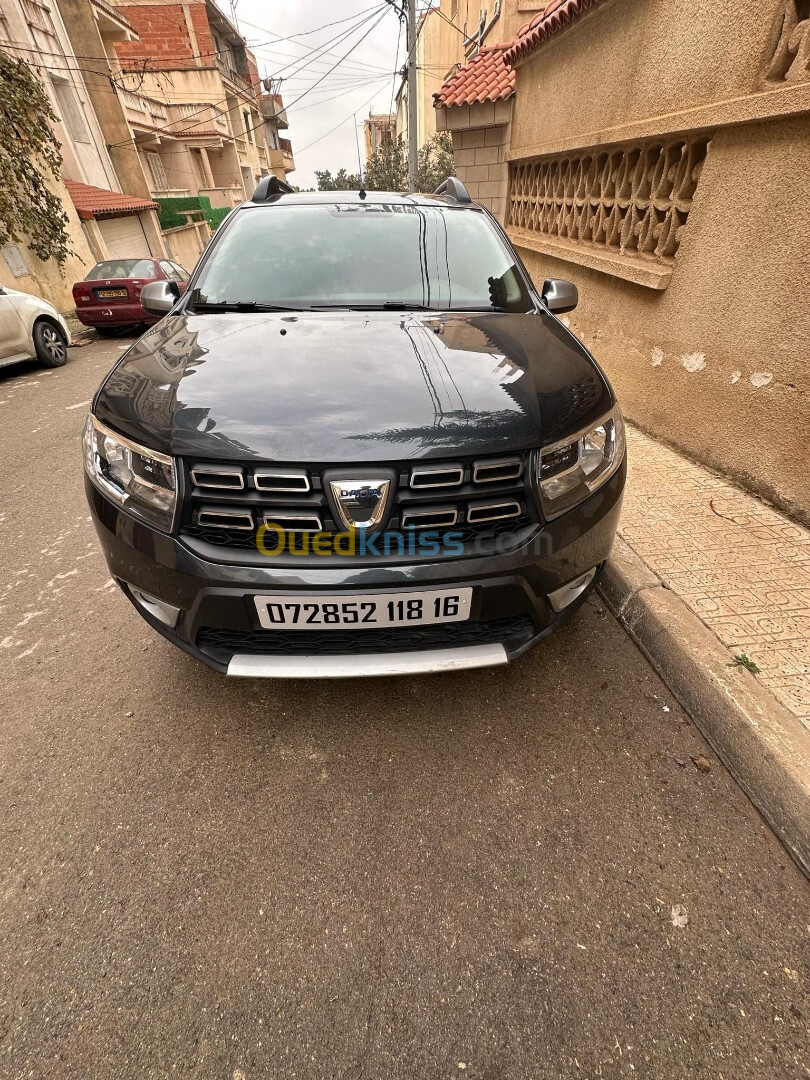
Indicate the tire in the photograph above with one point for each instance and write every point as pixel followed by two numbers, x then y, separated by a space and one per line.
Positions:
pixel 50 343
pixel 107 331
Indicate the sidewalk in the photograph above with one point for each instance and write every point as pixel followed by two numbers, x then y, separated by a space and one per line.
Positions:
pixel 702 573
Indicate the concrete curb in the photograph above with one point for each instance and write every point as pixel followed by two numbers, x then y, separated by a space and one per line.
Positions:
pixel 766 749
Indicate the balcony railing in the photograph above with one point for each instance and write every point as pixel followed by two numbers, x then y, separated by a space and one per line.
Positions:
pixel 229 195
pixel 230 72
pixel 169 193
pixel 275 160
pixel 145 106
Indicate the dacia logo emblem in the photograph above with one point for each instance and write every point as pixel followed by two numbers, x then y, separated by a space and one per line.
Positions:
pixel 360 504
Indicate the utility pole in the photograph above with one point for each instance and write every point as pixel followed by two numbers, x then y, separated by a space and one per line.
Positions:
pixel 359 160
pixel 413 103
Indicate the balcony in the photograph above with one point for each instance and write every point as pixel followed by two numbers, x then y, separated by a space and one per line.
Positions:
pixel 274 111
pixel 170 193
pixel 227 69
pixel 193 117
pixel 275 161
pixel 230 195
pixel 287 155
pixel 142 109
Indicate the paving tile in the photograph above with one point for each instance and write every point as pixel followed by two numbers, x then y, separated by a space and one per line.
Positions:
pixel 740 565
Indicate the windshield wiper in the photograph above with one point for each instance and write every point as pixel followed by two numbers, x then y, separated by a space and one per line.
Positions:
pixel 209 308
pixel 388 305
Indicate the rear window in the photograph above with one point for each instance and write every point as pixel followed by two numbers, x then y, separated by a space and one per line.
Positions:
pixel 122 268
pixel 363 255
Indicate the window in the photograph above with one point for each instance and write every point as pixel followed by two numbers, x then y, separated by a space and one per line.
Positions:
pixel 364 256
pixel 158 173
pixel 122 268
pixel 199 171
pixel 169 270
pixel 248 126
pixel 181 274
pixel 69 110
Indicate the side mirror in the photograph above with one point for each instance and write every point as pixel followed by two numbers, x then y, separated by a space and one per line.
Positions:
pixel 560 295
pixel 158 297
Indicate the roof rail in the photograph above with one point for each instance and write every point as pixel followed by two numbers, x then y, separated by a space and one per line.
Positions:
pixel 270 187
pixel 454 189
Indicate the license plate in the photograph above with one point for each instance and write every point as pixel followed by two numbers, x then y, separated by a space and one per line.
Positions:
pixel 364 611
pixel 111 294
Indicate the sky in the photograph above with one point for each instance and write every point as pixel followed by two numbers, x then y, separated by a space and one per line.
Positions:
pixel 322 128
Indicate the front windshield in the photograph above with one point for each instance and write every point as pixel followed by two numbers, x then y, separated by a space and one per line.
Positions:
pixel 365 255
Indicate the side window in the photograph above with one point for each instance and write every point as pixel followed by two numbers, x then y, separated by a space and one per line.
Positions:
pixel 181 274
pixel 169 270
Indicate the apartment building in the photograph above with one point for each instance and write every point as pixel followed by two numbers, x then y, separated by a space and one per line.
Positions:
pixel 193 102
pixel 379 130
pixel 114 198
pixel 280 148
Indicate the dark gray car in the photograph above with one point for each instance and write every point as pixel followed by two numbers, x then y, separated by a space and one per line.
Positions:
pixel 361 443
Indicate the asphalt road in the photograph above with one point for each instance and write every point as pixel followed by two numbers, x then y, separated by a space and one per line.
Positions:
pixel 475 874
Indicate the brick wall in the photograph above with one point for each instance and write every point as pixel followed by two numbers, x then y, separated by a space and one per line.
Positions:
pixel 480 164
pixel 164 35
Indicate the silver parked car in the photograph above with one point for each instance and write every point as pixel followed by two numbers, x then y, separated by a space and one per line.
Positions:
pixel 31 328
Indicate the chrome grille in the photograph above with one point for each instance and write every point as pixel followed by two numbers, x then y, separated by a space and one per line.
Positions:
pixel 223 518
pixel 473 499
pixel 281 480
pixel 478 513
pixel 221 477
pixel 435 476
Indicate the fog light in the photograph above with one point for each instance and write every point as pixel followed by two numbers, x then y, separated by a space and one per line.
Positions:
pixel 561 598
pixel 162 611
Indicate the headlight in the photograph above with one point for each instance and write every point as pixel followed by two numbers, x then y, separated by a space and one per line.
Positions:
pixel 132 476
pixel 572 469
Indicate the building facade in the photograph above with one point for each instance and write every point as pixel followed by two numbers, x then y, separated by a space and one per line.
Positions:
pixel 379 129
pixel 193 103
pixel 662 164
pixel 39 34
pixel 450 35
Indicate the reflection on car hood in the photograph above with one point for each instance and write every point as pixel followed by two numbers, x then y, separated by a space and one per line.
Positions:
pixel 345 386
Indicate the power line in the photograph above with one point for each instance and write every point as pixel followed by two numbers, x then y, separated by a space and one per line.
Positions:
pixel 340 125
pixel 224 101
pixel 250 130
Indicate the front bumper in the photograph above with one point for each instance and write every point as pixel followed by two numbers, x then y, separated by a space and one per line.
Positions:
pixel 217 620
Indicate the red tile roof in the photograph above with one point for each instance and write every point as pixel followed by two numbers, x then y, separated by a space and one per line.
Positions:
pixel 94 202
pixel 486 78
pixel 554 17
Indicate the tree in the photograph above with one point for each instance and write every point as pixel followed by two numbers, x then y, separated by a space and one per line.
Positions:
pixel 436 161
pixel 387 170
pixel 29 210
pixel 341 181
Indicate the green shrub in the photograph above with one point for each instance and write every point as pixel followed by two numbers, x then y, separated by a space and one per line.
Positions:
pixel 169 217
pixel 216 215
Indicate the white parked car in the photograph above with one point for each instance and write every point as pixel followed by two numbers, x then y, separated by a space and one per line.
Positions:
pixel 31 328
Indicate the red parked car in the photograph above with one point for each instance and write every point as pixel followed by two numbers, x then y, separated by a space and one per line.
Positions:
pixel 110 295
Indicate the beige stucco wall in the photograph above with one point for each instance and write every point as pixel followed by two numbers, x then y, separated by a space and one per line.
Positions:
pixel 717 362
pixel 46 279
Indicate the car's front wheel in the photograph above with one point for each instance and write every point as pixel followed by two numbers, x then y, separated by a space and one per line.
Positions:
pixel 50 343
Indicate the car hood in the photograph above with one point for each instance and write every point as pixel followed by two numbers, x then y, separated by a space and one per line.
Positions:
pixel 321 387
